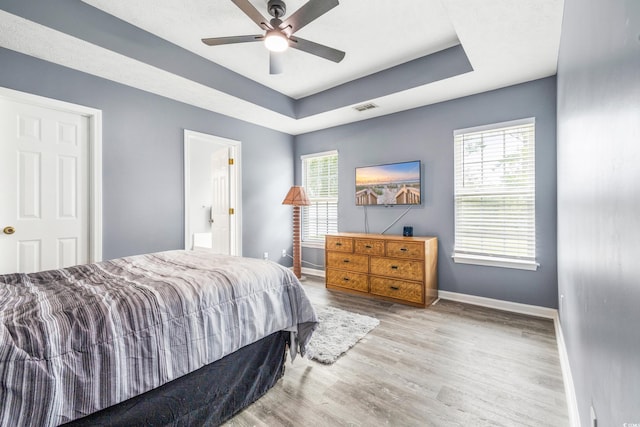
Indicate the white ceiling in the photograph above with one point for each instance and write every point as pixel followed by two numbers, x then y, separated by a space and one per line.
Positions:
pixel 375 34
pixel 506 41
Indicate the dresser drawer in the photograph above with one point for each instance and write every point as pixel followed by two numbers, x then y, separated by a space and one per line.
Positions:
pixel 352 262
pixel 405 249
pixel 406 291
pixel 348 279
pixel 369 247
pixel 398 268
pixel 342 244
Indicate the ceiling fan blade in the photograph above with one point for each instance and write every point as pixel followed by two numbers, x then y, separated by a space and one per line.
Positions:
pixel 307 13
pixel 275 62
pixel 217 41
pixel 317 49
pixel 252 13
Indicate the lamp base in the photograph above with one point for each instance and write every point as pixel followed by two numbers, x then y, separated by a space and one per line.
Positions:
pixel 297 249
pixel 300 278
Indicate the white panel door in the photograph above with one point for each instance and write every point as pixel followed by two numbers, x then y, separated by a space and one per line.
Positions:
pixel 44 188
pixel 220 217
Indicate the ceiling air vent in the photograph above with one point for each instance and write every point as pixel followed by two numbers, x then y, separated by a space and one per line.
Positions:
pixel 365 107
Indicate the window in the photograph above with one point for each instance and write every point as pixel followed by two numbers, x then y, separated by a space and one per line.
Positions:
pixel 495 195
pixel 320 181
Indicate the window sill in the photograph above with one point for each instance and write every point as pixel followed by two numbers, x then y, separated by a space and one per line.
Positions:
pixel 495 262
pixel 315 245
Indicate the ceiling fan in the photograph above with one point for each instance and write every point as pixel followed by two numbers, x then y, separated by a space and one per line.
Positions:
pixel 278 34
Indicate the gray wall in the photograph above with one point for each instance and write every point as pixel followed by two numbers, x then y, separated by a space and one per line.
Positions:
pixel 599 205
pixel 143 184
pixel 426 134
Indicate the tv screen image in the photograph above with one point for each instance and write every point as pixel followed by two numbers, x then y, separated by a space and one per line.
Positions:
pixel 389 184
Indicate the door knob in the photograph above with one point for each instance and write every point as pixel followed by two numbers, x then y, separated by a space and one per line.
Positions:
pixel 8 230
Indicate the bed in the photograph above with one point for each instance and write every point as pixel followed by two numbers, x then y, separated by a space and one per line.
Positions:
pixel 171 338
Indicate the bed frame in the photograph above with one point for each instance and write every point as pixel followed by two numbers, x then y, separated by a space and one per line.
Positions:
pixel 209 396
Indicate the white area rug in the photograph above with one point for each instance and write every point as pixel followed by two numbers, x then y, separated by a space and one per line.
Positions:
pixel 338 331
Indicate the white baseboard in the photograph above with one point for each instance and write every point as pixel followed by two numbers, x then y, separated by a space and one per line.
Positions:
pixel 532 310
pixel 567 378
pixel 515 307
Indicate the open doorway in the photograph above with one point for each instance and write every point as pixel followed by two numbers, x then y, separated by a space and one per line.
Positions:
pixel 213 193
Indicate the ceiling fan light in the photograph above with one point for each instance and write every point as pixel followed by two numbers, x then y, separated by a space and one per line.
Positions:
pixel 275 41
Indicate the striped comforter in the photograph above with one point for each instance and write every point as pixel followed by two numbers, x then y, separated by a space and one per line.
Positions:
pixel 80 339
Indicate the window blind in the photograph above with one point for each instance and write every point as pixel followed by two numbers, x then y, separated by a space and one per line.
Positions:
pixel 320 180
pixel 495 195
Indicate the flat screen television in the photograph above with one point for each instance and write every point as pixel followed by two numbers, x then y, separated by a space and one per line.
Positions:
pixel 389 184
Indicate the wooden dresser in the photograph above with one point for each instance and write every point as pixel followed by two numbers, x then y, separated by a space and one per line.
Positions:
pixel 394 268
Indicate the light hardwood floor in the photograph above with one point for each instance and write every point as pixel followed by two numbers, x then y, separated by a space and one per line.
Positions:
pixel 451 364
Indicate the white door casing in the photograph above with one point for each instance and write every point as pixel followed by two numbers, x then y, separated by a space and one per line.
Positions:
pixel 212 191
pixel 51 195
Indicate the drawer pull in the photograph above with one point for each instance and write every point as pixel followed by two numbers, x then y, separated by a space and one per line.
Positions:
pixel 346 279
pixel 395 288
pixel 368 246
pixel 404 249
pixel 338 244
pixel 345 261
pixel 394 267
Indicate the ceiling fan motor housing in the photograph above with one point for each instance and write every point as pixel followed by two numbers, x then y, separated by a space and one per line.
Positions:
pixel 276 8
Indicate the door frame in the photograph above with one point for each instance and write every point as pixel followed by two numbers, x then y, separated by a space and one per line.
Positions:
pixel 94 159
pixel 235 187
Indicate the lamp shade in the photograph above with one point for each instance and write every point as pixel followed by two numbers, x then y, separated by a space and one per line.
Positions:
pixel 296 197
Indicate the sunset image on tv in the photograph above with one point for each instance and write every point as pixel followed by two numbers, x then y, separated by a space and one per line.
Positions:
pixel 391 184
